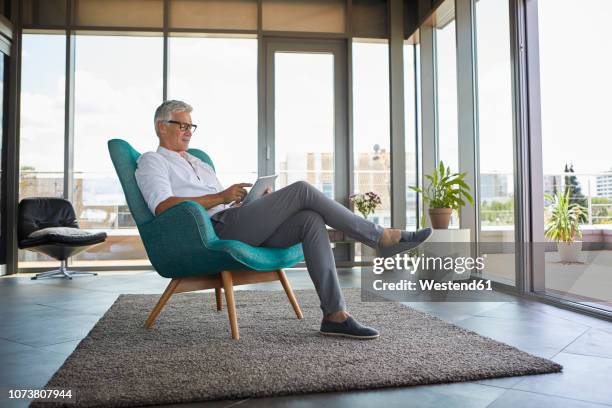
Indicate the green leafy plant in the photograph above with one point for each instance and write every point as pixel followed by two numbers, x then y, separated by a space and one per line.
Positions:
pixel 446 189
pixel 366 203
pixel 565 217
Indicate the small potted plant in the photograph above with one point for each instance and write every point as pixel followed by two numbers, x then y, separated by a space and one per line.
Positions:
pixel 366 204
pixel 563 225
pixel 446 192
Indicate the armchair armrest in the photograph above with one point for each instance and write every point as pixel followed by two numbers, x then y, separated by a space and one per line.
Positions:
pixel 181 229
pixel 182 237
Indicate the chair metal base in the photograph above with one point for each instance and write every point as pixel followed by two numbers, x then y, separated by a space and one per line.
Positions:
pixel 62 272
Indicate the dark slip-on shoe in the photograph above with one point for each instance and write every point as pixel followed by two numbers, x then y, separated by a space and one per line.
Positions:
pixel 348 328
pixel 409 240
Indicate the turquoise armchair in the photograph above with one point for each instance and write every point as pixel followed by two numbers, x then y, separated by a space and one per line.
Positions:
pixel 181 244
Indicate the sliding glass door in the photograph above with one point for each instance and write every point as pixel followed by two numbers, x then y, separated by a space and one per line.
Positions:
pixel 576 144
pixel 3 64
pixel 495 135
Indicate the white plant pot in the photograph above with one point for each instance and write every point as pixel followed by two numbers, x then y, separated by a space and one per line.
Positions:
pixel 569 251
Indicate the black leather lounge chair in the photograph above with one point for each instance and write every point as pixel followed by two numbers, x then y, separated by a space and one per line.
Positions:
pixel 49 225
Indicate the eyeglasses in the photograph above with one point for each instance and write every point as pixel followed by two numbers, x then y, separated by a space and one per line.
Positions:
pixel 184 126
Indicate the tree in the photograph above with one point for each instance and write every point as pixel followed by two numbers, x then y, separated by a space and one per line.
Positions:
pixel 571 183
pixel 497 213
pixel 601 210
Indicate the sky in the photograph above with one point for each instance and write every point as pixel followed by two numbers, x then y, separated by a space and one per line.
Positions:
pixel 494 87
pixel 576 84
pixel 446 59
pixel 218 77
pixel 118 82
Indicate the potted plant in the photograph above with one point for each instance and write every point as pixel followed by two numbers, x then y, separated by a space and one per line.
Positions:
pixel 563 225
pixel 366 204
pixel 446 192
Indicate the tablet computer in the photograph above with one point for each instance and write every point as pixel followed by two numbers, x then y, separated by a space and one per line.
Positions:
pixel 260 186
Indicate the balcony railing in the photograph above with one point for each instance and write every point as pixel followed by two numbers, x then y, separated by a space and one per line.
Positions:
pixel 100 202
pixel 591 190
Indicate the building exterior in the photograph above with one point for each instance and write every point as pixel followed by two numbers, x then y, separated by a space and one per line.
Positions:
pixel 494 187
pixel 604 185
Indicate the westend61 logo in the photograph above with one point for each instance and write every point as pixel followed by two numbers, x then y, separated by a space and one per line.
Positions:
pixel 421 262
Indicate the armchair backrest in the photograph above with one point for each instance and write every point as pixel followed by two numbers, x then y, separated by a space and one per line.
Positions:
pixel 124 158
pixel 36 213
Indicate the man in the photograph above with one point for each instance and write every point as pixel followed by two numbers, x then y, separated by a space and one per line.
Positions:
pixel 293 214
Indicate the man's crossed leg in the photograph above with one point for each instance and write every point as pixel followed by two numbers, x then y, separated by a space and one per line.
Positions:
pixel 299 213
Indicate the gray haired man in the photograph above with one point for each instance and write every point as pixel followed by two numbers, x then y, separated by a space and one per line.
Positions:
pixel 296 213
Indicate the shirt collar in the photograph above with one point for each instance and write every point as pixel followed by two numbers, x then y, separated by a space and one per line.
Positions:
pixel 170 153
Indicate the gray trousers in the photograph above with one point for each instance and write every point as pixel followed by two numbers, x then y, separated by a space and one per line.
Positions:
pixel 299 213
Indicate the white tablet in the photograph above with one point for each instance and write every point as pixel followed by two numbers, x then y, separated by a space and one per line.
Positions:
pixel 261 185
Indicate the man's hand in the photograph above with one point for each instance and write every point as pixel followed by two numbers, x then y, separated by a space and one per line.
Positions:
pixel 235 192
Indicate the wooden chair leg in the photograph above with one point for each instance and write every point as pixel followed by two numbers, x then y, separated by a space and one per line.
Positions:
pixel 161 302
pixel 218 298
pixel 285 282
pixel 228 288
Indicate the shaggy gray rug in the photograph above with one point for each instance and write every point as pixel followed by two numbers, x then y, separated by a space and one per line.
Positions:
pixel 188 355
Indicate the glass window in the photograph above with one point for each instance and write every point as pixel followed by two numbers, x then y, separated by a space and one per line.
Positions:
pixel 304 119
pixel 42 116
pixel 575 97
pixel 2 163
pixel 41 147
pixel 220 82
pixel 446 70
pixel 495 136
pixel 412 131
pixel 445 51
pixel 118 85
pixel 371 128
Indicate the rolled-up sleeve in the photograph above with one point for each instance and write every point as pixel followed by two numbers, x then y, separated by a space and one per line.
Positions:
pixel 153 179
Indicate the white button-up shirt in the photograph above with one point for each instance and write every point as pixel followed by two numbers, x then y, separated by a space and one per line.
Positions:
pixel 165 173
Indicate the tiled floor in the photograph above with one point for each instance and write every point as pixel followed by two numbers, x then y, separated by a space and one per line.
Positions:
pixel 41 322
